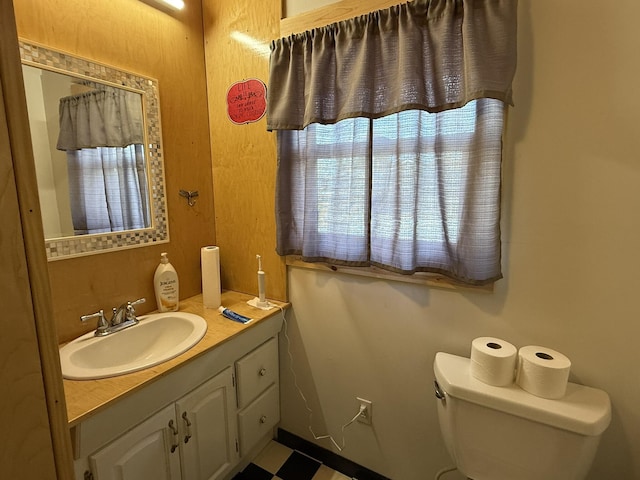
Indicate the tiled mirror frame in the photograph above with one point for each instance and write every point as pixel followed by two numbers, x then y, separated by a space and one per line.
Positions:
pixel 60 248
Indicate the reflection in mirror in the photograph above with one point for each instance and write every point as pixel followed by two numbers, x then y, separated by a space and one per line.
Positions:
pixel 96 140
pixel 88 142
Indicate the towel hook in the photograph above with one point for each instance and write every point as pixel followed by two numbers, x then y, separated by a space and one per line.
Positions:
pixel 189 195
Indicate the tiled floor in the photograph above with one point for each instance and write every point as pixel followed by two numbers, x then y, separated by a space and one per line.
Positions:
pixel 277 462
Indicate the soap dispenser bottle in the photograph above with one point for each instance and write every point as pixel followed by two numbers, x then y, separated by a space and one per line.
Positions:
pixel 165 282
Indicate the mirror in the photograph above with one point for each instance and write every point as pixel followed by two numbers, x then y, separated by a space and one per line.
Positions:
pixel 97 147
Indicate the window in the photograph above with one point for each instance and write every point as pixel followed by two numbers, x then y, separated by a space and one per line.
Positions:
pixel 390 138
pixel 408 192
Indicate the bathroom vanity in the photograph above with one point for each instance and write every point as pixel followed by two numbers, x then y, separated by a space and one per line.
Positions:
pixel 201 415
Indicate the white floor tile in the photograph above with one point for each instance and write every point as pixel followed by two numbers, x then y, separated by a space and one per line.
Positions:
pixel 272 456
pixel 325 473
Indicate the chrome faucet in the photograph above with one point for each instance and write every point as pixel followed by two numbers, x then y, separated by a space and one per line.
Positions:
pixel 124 316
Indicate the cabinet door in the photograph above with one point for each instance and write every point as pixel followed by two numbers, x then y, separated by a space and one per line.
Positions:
pixel 145 452
pixel 208 429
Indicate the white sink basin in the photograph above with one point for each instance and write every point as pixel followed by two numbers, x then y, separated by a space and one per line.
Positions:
pixel 157 338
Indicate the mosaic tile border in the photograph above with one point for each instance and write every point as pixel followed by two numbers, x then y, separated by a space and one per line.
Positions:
pixel 61 248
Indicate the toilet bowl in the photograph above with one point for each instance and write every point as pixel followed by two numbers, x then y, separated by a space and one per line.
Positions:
pixel 506 433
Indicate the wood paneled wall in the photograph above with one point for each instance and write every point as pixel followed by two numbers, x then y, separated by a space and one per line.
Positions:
pixel 23 410
pixel 36 443
pixel 328 14
pixel 237 37
pixel 168 46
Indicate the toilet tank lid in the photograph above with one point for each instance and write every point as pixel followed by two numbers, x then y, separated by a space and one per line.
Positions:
pixel 582 410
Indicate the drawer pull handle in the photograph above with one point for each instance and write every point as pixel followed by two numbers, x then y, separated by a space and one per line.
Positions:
pixel 188 425
pixel 174 432
pixel 263 419
pixel 262 372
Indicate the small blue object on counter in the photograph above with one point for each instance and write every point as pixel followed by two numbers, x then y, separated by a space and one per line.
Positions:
pixel 236 317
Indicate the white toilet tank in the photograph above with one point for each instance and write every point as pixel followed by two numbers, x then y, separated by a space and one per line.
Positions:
pixel 506 433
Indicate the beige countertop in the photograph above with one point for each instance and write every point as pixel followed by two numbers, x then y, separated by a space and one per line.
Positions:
pixel 84 398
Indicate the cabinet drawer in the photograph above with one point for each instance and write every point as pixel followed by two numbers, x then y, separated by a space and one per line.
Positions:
pixel 256 371
pixel 259 418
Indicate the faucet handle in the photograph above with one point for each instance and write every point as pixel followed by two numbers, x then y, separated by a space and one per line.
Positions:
pixel 125 312
pixel 103 325
pixel 99 315
pixel 131 312
pixel 137 302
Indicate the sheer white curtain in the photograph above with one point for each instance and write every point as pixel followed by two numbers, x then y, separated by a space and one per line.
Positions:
pixel 108 189
pixel 389 132
pixel 102 133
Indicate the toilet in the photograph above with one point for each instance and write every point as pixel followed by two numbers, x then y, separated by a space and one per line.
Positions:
pixel 506 433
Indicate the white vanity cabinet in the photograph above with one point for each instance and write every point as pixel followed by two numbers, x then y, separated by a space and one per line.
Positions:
pixel 193 439
pixel 201 421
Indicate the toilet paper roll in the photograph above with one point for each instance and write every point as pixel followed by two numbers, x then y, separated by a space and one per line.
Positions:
pixel 542 371
pixel 493 361
pixel 210 262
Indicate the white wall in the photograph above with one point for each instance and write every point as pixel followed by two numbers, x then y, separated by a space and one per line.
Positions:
pixel 55 87
pixel 41 153
pixel 43 90
pixel 571 242
pixel 294 7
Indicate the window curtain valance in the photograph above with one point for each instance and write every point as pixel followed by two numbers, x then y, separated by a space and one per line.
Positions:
pixel 109 117
pixel 430 55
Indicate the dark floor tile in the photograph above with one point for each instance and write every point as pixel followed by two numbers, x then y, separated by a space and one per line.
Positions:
pixel 327 457
pixel 253 472
pixel 298 467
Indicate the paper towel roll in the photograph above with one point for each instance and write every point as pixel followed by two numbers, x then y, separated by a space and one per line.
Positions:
pixel 543 372
pixel 493 361
pixel 210 262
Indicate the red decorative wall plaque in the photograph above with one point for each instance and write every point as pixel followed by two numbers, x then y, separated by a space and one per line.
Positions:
pixel 247 101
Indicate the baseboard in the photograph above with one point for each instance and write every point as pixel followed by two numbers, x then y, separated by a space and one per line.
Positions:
pixel 329 458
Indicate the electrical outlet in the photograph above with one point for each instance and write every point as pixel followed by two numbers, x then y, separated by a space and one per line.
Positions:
pixel 366 416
